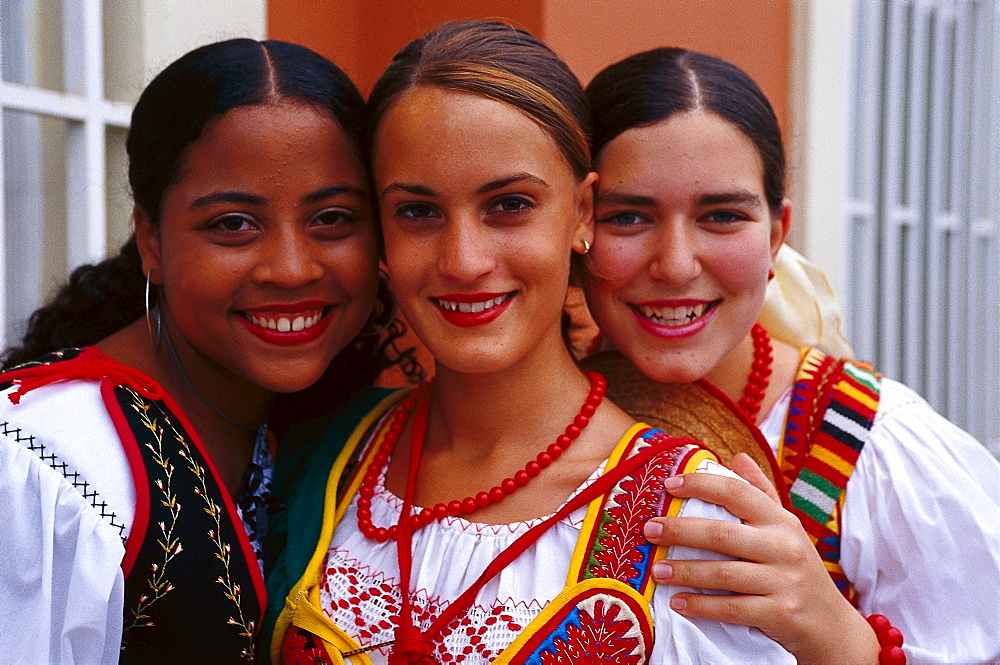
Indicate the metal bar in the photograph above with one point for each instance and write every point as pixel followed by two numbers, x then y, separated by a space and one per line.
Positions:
pixel 894 212
pixel 912 296
pixel 861 301
pixel 939 236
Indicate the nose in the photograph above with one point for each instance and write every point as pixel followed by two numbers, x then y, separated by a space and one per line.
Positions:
pixel 675 259
pixel 288 259
pixel 466 250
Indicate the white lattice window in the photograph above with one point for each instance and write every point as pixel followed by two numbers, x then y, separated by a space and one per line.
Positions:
pixel 923 187
pixel 61 135
pixel 71 70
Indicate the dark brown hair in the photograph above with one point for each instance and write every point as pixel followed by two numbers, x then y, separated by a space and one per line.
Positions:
pixel 499 62
pixel 647 88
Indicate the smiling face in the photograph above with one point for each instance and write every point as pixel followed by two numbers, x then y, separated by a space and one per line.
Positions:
pixel 684 242
pixel 265 249
pixel 480 213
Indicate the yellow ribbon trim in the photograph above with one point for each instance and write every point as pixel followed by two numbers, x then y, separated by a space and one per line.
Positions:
pixel 568 596
pixel 306 590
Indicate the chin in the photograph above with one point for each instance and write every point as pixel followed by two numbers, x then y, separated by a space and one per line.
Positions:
pixel 670 372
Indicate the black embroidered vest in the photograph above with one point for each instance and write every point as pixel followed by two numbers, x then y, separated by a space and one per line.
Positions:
pixel 193 589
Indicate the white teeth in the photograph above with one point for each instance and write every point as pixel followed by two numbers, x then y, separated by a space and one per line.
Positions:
pixel 284 324
pixel 673 316
pixel 471 307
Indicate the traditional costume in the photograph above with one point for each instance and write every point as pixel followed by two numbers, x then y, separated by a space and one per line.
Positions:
pixel 901 504
pixel 118 540
pixel 571 587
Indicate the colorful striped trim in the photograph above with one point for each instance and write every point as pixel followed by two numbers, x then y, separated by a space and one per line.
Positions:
pixel 829 422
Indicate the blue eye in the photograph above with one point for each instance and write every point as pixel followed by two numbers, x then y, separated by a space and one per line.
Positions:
pixel 623 219
pixel 724 217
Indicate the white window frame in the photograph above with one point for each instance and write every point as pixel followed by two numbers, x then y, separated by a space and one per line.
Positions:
pixel 157 32
pixel 88 115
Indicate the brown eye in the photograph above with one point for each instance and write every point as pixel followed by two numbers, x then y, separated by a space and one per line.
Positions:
pixel 511 204
pixel 232 223
pixel 415 211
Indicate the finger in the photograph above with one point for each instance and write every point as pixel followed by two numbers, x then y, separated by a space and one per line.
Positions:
pixel 744 465
pixel 746 610
pixel 735 576
pixel 737 496
pixel 704 533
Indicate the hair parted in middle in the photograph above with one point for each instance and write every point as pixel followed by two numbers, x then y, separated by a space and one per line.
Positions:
pixel 499 62
pixel 650 87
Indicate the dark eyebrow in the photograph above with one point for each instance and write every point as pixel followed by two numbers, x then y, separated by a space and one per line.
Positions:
pixel 740 196
pixel 417 190
pixel 330 192
pixel 503 182
pixel 420 190
pixel 241 198
pixel 616 198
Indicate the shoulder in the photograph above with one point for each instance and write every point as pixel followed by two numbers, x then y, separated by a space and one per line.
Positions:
pixel 61 555
pixel 66 426
pixel 906 421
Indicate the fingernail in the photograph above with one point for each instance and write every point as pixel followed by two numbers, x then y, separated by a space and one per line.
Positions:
pixel 678 603
pixel 653 530
pixel 663 571
pixel 673 482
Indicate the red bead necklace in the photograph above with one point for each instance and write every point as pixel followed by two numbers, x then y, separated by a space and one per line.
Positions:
pixel 760 372
pixel 470 504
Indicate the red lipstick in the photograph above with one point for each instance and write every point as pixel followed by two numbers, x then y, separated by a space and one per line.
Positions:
pixel 288 324
pixel 480 308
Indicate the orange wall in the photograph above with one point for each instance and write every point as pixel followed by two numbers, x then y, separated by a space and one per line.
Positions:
pixel 753 34
pixel 361 36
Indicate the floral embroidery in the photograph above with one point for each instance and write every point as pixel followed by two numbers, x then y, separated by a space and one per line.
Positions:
pixel 598 636
pixel 159 586
pixel 171 546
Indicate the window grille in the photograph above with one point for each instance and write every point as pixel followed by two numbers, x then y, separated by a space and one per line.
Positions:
pixel 923 299
pixel 56 126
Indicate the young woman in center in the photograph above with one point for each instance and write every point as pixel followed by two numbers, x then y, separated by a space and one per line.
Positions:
pixel 900 503
pixel 495 514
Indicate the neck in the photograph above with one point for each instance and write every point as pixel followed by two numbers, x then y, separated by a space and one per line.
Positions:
pixel 506 411
pixel 730 375
pixel 230 446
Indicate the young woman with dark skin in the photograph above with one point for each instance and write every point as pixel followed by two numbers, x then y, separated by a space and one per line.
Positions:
pixel 691 212
pixel 482 173
pixel 136 470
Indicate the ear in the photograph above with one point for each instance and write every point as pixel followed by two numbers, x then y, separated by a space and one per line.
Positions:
pixel 147 238
pixel 780 227
pixel 583 233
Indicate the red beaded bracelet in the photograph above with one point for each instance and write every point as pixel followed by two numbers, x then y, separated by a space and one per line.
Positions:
pixel 890 639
